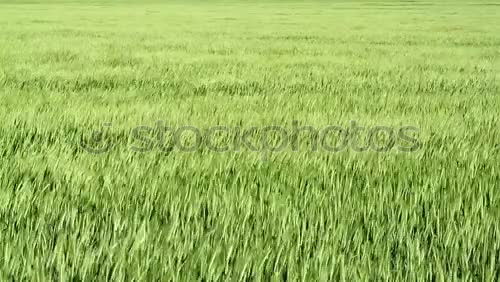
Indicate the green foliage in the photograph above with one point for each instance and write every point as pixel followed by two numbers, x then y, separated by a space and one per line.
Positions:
pixel 68 67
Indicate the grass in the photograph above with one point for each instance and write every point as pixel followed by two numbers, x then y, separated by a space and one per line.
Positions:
pixel 68 67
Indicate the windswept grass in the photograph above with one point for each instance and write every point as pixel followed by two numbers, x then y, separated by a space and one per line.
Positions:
pixel 67 68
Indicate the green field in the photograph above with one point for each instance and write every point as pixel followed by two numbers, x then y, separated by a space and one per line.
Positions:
pixel 186 212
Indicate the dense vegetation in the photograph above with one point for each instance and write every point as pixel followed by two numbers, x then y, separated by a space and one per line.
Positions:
pixel 69 68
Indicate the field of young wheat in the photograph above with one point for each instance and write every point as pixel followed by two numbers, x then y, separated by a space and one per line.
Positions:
pixel 249 140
